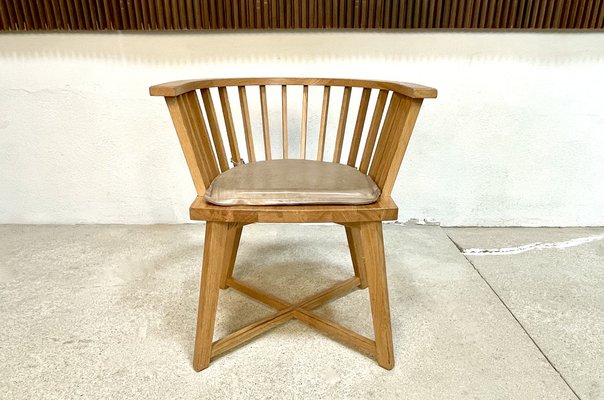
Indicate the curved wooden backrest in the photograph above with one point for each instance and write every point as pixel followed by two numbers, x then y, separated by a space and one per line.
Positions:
pixel 384 118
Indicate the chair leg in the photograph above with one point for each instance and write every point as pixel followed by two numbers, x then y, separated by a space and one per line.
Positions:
pixel 373 254
pixel 212 271
pixel 353 234
pixel 231 247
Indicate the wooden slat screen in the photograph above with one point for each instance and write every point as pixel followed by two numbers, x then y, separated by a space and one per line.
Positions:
pixel 20 15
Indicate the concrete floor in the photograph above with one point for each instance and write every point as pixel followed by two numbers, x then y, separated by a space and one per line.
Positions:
pixel 109 312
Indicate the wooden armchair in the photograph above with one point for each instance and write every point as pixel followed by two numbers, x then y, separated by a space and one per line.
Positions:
pixel 375 147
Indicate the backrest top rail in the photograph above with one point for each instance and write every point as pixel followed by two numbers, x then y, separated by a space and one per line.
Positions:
pixel 176 88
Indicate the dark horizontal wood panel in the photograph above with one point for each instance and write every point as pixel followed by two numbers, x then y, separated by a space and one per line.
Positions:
pixel 153 15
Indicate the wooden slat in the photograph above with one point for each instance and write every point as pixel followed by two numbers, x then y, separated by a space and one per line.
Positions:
pixel 213 122
pixel 304 122
pixel 266 298
pixel 265 15
pixel 138 14
pixel 288 14
pixel 445 13
pixel 358 127
pixel 190 145
pixel 337 154
pixel 304 14
pixel 395 142
pixel 221 23
pixel 145 17
pixel 338 332
pixel 363 16
pixel 15 13
pixel 491 14
pixel 230 126
pixel 205 15
pixel 384 145
pixel 228 21
pixel 28 16
pixel 35 17
pixel 323 123
pixel 330 294
pixel 593 23
pixel 586 13
pixel 5 21
pixel 200 135
pixel 284 120
pixel 247 126
pixel 373 130
pixel 251 331
pixel 265 124
pixel 18 15
pixel 296 16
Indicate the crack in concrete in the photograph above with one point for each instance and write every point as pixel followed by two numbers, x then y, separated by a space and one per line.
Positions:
pixel 61 91
pixel 549 361
pixel 504 251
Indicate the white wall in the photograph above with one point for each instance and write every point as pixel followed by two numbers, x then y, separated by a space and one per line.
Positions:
pixel 516 136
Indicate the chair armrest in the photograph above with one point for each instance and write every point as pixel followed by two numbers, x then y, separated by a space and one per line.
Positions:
pixel 414 90
pixel 176 88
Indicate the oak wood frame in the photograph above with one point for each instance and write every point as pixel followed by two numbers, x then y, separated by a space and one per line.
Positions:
pixel 388 134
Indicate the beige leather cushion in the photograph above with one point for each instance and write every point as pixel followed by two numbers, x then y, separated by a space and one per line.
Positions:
pixel 280 182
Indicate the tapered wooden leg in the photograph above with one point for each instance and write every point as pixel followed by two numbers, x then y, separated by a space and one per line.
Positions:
pixel 353 234
pixel 373 254
pixel 231 247
pixel 212 271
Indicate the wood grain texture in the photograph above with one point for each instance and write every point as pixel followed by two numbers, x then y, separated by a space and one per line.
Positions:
pixel 230 125
pixel 382 210
pixel 385 146
pixel 337 155
pixel 194 140
pixel 393 141
pixel 266 298
pixel 353 236
pixel 284 136
pixel 176 88
pixel 231 245
pixel 323 123
pixel 338 332
pixel 212 271
pixel 208 104
pixel 375 266
pixel 304 122
pixel 265 124
pixel 301 311
pixel 69 15
pixel 376 120
pixel 358 127
pixel 247 125
pixel 251 331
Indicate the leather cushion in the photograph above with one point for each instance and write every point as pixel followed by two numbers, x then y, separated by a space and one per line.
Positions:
pixel 283 182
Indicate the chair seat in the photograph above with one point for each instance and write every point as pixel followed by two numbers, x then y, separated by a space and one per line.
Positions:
pixel 292 182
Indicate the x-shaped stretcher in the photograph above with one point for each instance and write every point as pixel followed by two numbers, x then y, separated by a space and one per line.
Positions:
pixel 301 311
